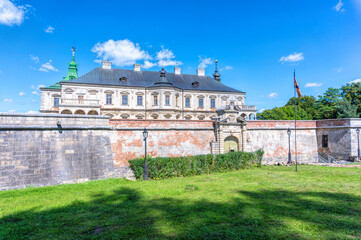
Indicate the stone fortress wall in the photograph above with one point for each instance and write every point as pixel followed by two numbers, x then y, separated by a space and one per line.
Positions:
pixel 50 149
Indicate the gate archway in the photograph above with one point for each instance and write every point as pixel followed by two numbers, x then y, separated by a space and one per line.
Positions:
pixel 231 144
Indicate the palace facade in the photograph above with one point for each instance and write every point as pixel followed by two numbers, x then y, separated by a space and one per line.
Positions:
pixel 138 94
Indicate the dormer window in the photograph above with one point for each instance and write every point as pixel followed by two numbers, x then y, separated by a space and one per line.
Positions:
pixel 195 84
pixel 123 79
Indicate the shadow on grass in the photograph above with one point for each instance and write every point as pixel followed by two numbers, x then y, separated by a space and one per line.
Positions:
pixel 126 214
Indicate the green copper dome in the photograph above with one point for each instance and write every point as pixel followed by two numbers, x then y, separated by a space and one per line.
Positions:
pixel 72 71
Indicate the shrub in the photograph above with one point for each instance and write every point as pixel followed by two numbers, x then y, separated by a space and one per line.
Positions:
pixel 168 167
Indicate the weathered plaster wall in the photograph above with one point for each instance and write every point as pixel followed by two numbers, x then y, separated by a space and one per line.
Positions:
pixel 166 138
pixel 342 137
pixel 35 151
pixel 271 136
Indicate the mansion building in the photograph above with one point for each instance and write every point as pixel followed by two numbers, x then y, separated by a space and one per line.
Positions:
pixel 138 94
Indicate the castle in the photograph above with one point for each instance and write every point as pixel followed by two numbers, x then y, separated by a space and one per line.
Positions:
pixel 91 126
pixel 138 94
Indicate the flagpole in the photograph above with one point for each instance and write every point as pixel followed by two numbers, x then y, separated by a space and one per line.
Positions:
pixel 294 83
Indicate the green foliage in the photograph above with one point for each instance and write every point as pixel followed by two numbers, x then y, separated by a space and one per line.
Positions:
pixel 345 109
pixel 284 113
pixel 168 167
pixel 344 102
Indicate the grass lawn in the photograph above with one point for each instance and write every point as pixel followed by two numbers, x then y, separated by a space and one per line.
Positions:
pixel 272 202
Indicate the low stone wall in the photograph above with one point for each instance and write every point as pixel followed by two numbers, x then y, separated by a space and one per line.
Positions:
pixel 49 149
pixel 166 138
pixel 272 137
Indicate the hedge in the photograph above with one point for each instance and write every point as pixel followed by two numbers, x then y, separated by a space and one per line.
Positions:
pixel 168 167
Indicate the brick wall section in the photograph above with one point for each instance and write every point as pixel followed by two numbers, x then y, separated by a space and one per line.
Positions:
pixel 165 139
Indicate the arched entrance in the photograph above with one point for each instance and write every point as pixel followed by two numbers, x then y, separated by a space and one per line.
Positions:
pixel 93 112
pixel 79 112
pixel 230 144
pixel 66 111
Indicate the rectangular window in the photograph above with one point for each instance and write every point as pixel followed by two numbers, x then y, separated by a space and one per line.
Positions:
pixel 176 101
pixel 139 100
pixel 213 103
pixel 200 102
pixel 188 102
pixel 167 97
pixel 124 99
pixel 325 141
pixel 109 99
pixel 155 103
pixel 56 102
pixel 81 99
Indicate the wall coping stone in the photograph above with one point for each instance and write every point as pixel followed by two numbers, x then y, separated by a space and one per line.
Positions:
pixel 35 127
pixel 52 115
pixel 162 129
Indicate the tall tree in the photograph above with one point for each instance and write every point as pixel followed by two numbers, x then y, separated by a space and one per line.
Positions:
pixel 307 103
pixel 352 92
pixel 345 109
pixel 326 104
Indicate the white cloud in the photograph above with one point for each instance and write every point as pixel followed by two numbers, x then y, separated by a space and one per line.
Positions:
pixel 46 67
pixel 35 92
pixel 147 64
pixel 166 57
pixel 11 111
pixel 11 14
pixel 226 68
pixel 204 62
pixel 49 29
pixel 355 81
pixel 295 57
pixel 262 110
pixel 314 84
pixel 22 94
pixel 273 95
pixel 1 71
pixel 32 112
pixel 339 7
pixel 8 100
pixel 34 58
pixel 33 100
pixel 339 70
pixel 120 52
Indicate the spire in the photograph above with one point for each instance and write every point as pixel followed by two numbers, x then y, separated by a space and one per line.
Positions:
pixel 73 67
pixel 216 75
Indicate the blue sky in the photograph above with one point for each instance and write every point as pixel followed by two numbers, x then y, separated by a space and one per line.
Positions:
pixel 257 43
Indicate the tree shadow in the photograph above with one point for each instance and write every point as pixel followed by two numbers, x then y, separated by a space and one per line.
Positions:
pixel 127 214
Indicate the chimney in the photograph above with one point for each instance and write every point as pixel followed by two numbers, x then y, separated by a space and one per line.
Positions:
pixel 177 70
pixel 201 72
pixel 106 64
pixel 136 67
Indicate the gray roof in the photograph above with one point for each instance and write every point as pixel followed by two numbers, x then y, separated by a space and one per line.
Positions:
pixel 111 77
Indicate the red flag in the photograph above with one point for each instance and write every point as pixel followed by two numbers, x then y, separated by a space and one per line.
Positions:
pixel 297 88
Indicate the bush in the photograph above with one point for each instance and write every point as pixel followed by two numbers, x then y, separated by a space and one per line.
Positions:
pixel 168 167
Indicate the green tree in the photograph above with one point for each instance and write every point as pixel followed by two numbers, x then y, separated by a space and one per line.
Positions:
pixel 345 109
pixel 326 104
pixel 283 113
pixel 352 92
pixel 307 103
